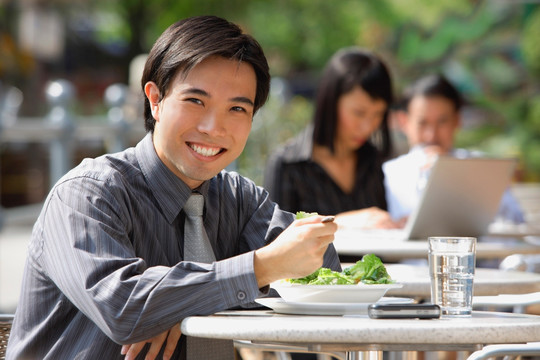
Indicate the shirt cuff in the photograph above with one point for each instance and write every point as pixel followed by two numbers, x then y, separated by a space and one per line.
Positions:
pixel 236 277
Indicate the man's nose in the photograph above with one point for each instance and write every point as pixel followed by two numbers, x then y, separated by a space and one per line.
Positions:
pixel 430 135
pixel 212 124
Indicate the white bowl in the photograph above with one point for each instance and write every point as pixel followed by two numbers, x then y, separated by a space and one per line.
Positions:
pixel 359 293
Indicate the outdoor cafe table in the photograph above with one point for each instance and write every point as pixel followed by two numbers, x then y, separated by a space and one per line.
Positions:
pixel 358 334
pixel 354 243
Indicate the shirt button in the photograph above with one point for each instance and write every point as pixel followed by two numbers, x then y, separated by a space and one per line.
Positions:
pixel 240 295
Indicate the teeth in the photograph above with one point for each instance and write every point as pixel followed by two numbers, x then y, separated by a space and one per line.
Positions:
pixel 204 151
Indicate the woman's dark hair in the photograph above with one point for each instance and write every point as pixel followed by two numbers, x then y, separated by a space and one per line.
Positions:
pixel 188 42
pixel 433 86
pixel 347 69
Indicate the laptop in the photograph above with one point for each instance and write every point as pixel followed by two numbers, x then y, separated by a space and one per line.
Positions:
pixel 461 198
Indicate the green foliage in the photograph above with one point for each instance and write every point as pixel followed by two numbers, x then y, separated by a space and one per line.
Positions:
pixel 303 31
pixel 489 49
pixel 530 43
pixel 417 46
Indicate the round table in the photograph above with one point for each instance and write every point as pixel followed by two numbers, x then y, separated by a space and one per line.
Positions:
pixel 356 334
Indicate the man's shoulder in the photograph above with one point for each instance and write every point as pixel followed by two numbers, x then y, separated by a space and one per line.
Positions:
pixel 106 168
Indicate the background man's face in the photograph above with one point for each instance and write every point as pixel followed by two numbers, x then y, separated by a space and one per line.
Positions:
pixel 432 121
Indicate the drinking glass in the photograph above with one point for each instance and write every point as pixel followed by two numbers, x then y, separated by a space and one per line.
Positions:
pixel 451 268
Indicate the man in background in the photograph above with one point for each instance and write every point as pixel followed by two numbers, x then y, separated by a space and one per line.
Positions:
pixel 430 119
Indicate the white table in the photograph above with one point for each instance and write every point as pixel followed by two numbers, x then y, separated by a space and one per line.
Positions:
pixel 416 281
pixel 356 334
pixel 354 243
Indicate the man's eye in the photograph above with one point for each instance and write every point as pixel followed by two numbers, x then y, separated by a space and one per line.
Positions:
pixel 238 109
pixel 194 100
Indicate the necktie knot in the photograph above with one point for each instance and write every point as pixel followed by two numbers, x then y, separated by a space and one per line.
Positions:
pixel 194 205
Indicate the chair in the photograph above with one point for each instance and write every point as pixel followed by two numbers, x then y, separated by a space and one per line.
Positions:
pixel 490 351
pixel 5 329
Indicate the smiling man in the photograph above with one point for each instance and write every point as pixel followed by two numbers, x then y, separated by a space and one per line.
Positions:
pixel 107 259
pixel 202 125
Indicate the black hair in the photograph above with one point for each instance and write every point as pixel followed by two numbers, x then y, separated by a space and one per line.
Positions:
pixel 188 42
pixel 347 69
pixel 435 85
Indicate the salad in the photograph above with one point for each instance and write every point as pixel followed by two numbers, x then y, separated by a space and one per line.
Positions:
pixel 303 214
pixel 369 270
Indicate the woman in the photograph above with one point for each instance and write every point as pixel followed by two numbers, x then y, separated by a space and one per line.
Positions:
pixel 334 166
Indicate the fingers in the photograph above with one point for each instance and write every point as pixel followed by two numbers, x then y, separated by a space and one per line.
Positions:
pixel 315 219
pixel 155 345
pixel 124 349
pixel 133 350
pixel 172 336
pixel 172 341
pixel 313 228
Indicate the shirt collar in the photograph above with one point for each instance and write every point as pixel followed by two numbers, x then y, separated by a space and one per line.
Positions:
pixel 170 192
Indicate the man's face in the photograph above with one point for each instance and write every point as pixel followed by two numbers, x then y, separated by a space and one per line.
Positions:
pixel 203 122
pixel 431 121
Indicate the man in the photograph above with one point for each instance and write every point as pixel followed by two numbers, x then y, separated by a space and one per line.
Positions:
pixel 430 119
pixel 106 259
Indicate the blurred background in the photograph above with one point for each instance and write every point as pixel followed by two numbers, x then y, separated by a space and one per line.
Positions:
pixel 70 69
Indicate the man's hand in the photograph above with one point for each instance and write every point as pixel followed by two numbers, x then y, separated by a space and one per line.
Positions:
pixel 431 152
pixel 172 336
pixel 298 251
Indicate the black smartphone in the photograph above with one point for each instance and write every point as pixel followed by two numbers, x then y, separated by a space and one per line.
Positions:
pixel 404 311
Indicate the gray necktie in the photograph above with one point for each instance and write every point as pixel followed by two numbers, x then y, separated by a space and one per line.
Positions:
pixel 197 248
pixel 196 244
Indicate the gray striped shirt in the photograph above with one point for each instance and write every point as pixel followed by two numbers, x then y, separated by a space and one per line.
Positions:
pixel 105 266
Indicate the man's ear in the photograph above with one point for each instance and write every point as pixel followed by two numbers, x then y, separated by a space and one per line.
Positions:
pixel 152 94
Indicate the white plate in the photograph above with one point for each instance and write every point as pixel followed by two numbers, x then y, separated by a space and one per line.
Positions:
pixel 299 308
pixel 360 293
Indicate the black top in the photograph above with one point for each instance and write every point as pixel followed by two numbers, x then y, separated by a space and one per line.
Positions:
pixel 297 183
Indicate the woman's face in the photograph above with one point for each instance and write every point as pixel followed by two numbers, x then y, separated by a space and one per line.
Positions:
pixel 359 115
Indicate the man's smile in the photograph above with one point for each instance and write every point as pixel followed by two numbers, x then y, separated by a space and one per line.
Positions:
pixel 205 150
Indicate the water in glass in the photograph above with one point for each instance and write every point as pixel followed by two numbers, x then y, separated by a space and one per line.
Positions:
pixel 452 278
